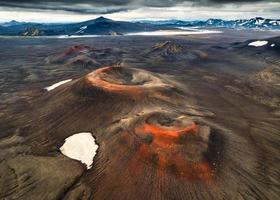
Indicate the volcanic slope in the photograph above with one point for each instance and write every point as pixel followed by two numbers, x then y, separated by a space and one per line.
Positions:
pixel 155 142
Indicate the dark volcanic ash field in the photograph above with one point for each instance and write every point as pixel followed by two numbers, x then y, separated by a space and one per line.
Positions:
pixel 174 117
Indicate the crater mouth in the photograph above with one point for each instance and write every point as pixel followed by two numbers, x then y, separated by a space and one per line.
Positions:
pixel 124 80
pixel 176 145
pixel 166 126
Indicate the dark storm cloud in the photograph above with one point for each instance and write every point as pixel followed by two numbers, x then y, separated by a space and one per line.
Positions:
pixel 164 3
pixel 111 6
pixel 58 6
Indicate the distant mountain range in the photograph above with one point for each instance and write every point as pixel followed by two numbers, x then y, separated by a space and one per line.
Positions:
pixel 98 26
pixel 104 26
pixel 257 22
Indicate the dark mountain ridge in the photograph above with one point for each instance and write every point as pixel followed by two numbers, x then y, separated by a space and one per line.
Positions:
pixel 98 26
pixel 105 26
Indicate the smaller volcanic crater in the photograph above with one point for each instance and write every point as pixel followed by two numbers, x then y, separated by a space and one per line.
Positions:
pixel 85 56
pixel 167 48
pixel 69 54
pixel 147 150
pixel 176 145
pixel 173 51
pixel 125 81
pixel 78 49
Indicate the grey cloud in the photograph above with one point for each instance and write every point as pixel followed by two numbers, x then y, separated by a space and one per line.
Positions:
pixel 110 6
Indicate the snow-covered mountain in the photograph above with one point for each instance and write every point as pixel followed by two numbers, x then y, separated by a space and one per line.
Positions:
pixel 257 22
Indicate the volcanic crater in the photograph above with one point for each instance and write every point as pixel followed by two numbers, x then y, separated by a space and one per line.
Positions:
pixel 85 56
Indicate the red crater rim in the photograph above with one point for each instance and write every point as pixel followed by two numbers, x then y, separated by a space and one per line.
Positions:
pixel 123 80
pixel 171 132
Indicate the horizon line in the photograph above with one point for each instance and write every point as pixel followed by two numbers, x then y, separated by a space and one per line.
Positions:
pixel 136 20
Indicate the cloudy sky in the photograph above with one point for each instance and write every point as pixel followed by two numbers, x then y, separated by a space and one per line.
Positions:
pixel 79 10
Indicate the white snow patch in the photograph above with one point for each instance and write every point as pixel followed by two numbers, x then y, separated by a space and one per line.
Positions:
pixel 80 146
pixel 174 32
pixel 49 88
pixel 259 21
pixel 182 31
pixel 82 29
pixel 258 43
pixel 77 36
pixel 272 45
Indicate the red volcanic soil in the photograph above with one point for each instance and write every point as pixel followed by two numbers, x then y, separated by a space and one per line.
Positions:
pixel 167 145
pixel 173 132
pixel 77 49
pixel 78 54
